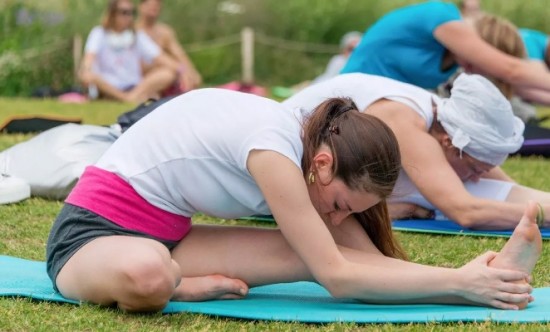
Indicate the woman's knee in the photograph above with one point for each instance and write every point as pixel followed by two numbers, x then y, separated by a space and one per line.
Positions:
pixel 150 283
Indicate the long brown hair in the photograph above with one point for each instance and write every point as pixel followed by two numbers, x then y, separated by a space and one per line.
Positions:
pixel 366 157
pixel 503 35
pixel 108 20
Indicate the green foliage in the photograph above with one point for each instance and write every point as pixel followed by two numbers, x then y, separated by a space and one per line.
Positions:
pixel 200 21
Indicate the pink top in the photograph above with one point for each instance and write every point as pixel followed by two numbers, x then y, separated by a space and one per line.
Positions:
pixel 111 197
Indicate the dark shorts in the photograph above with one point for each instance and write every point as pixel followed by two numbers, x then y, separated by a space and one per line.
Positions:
pixel 73 228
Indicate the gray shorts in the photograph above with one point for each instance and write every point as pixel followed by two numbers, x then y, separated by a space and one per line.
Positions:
pixel 73 228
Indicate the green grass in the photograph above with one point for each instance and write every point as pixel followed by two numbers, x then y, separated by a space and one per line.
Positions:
pixel 24 229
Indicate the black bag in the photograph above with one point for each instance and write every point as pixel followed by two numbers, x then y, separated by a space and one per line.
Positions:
pixel 24 124
pixel 126 120
pixel 536 143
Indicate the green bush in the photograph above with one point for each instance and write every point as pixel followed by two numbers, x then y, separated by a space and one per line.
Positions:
pixel 199 21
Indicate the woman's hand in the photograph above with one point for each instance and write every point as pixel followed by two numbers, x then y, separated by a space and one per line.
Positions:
pixel 189 79
pixel 494 287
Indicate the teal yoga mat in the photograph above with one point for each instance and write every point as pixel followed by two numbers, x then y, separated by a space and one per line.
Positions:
pixel 432 226
pixel 300 301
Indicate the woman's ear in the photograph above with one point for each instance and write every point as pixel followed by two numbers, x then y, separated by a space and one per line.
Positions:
pixel 322 166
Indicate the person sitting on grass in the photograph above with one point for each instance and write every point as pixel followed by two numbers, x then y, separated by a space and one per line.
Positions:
pixel 124 236
pixel 165 37
pixel 111 66
pixel 451 148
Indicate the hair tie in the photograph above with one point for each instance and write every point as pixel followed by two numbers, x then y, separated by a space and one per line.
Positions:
pixel 334 130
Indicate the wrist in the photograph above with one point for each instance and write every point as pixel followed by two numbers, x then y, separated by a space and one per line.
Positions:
pixel 453 283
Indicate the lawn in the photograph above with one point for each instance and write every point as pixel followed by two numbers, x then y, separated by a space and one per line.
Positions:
pixel 24 228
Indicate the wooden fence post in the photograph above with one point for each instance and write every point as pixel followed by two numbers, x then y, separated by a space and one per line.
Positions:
pixel 77 56
pixel 247 55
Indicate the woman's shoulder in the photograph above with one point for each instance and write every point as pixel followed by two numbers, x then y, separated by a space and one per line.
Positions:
pixel 98 29
pixel 97 32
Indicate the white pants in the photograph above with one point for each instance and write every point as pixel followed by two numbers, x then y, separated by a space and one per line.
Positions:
pixel 406 192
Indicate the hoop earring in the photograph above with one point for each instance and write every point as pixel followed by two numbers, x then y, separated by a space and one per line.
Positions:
pixel 311 178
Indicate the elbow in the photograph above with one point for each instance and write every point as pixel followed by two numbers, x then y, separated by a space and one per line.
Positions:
pixel 466 221
pixel 463 214
pixel 336 284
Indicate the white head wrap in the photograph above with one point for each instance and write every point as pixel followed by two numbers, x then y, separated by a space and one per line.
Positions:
pixel 480 121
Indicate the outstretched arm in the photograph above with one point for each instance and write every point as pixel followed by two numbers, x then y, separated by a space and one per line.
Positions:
pixel 463 41
pixel 369 277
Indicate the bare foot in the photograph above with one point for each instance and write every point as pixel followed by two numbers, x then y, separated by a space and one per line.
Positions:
pixel 524 247
pixel 209 288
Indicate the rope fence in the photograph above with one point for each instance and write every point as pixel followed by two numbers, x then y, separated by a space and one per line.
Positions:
pixel 247 49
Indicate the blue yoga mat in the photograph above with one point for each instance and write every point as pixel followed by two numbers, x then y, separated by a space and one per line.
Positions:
pixel 300 302
pixel 431 226
pixel 450 227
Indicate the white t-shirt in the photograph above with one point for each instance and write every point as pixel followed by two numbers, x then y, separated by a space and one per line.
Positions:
pixel 190 154
pixel 119 55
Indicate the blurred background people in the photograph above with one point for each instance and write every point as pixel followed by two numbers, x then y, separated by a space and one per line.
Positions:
pixel 165 37
pixel 113 54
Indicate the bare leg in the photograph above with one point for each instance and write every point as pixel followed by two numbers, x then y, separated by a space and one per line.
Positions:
pixel 137 274
pixel 523 249
pixel 107 89
pixel 262 256
pixel 156 80
pixel 241 256
pixel 215 258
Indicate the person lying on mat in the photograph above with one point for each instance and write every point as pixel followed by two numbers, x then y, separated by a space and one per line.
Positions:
pixel 124 236
pixel 451 148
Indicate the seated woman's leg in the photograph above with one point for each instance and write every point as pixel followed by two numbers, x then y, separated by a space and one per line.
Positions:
pixel 262 256
pixel 257 256
pixel 154 81
pixel 137 274
pixel 105 88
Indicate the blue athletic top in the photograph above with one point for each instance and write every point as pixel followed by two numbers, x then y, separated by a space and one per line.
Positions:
pixel 535 43
pixel 401 45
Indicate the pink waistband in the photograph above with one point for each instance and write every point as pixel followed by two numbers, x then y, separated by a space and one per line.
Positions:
pixel 111 197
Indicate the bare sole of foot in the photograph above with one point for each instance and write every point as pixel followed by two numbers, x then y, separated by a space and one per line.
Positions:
pixel 524 247
pixel 209 288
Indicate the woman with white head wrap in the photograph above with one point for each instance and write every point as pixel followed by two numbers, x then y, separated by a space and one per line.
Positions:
pixel 451 149
pixel 480 120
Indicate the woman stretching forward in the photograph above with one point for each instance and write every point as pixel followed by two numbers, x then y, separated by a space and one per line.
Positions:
pixel 124 236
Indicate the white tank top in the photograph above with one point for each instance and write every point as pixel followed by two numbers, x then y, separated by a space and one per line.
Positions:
pixel 190 154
